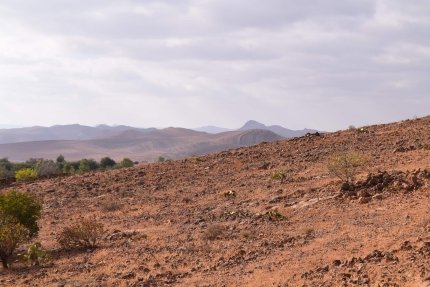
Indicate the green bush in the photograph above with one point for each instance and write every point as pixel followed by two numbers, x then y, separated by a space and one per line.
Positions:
pixel 35 254
pixel 279 175
pixel 126 162
pixel 26 174
pixel 81 235
pixel 346 165
pixel 23 207
pixel 87 165
pixel 11 234
pixel 107 162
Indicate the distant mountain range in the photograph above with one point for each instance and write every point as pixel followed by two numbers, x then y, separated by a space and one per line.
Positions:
pixel 62 132
pixel 78 141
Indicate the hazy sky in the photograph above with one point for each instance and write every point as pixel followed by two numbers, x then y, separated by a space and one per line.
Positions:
pixel 322 64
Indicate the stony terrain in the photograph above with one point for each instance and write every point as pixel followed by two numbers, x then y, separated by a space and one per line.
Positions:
pixel 222 220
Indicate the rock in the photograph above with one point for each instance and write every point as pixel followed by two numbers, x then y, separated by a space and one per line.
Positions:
pixel 346 186
pixel 364 199
pixel 364 193
pixel 377 196
pixel 337 263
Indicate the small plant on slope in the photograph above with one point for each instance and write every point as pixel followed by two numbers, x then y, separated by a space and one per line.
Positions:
pixel 81 235
pixel 346 165
pixel 26 174
pixel 11 234
pixel 35 254
pixel 279 175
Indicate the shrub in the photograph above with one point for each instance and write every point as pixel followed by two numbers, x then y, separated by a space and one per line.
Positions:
pixel 274 215
pixel 47 168
pixel 161 159
pixel 110 206
pixel 279 175
pixel 11 234
pixel 87 165
pixel 26 174
pixel 23 207
pixel 5 173
pixel 35 254
pixel 214 232
pixel 126 162
pixel 346 165
pixel 81 235
pixel 70 167
pixel 107 162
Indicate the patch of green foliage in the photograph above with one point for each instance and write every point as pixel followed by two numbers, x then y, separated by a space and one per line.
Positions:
pixel 26 174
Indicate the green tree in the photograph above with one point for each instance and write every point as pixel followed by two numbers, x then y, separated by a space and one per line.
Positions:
pixel 60 161
pixel 107 162
pixel 22 206
pixel 126 162
pixel 87 165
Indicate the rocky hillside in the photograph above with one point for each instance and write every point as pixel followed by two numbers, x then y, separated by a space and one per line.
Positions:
pixel 222 220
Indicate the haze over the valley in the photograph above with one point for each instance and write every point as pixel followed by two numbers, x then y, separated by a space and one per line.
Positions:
pixel 316 64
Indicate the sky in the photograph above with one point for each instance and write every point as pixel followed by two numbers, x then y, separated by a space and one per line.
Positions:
pixel 321 64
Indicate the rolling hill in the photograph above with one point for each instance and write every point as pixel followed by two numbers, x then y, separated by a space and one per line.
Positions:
pixel 223 220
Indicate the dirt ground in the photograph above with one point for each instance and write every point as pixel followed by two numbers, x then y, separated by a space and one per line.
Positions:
pixel 222 220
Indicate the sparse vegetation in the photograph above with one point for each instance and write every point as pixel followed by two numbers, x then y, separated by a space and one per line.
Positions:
pixel 274 215
pixel 23 207
pixel 362 130
pixel 35 168
pixel 81 235
pixel 11 234
pixel 47 168
pixel 26 174
pixel 110 206
pixel 126 162
pixel 346 165
pixel 279 175
pixel 35 255
pixel 213 232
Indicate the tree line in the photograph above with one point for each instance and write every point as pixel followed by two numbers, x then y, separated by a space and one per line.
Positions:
pixel 39 167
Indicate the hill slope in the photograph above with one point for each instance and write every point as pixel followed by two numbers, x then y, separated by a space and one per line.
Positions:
pixel 221 220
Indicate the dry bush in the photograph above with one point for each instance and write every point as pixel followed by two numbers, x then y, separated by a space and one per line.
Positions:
pixel 214 232
pixel 110 206
pixel 81 235
pixel 346 165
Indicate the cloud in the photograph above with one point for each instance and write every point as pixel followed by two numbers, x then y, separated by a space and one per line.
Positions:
pixel 320 64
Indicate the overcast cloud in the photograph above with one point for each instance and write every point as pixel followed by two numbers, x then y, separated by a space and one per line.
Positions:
pixel 319 64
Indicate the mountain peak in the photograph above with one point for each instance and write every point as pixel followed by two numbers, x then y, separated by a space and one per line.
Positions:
pixel 252 125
